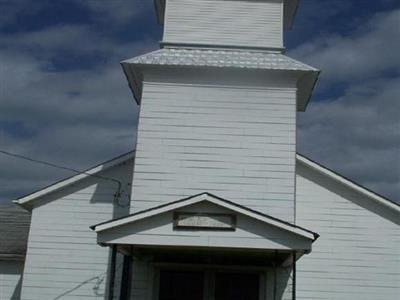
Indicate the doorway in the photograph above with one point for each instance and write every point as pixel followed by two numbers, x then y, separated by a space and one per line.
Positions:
pixel 238 286
pixel 210 284
pixel 181 285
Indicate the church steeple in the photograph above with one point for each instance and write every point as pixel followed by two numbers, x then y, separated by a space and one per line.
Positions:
pixel 226 23
pixel 218 106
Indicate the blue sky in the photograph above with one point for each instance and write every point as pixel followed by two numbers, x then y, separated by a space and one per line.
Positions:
pixel 64 99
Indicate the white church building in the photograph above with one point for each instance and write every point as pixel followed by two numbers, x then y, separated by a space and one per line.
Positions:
pixel 214 203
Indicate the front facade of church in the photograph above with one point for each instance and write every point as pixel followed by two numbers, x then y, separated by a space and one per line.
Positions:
pixel 212 214
pixel 220 205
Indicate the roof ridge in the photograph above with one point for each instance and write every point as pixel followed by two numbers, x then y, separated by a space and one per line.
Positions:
pixel 301 158
pixel 347 181
pixel 74 178
pixel 207 197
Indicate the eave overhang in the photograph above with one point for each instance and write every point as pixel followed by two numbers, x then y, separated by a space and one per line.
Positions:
pixel 307 76
pixel 140 229
pixel 27 201
pixel 346 182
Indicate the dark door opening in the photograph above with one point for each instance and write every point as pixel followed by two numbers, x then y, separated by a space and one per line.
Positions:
pixel 181 285
pixel 208 285
pixel 238 286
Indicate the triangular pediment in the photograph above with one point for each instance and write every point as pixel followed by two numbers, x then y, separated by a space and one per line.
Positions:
pixel 204 221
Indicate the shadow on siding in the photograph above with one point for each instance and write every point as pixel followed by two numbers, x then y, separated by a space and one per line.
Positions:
pixel 102 194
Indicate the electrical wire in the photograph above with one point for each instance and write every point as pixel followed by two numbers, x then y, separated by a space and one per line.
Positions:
pixel 49 164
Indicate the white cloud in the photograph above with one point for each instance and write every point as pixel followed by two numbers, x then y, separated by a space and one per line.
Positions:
pixel 368 52
pixel 358 132
pixel 75 118
pixel 54 42
pixel 117 11
pixel 81 117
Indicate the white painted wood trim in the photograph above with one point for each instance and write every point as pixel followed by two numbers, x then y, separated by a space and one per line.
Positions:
pixel 74 179
pixel 342 180
pixel 197 199
pixel 305 161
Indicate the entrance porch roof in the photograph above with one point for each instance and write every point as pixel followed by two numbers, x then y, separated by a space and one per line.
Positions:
pixel 205 221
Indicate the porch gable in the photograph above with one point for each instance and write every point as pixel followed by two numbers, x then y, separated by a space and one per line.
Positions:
pixel 205 221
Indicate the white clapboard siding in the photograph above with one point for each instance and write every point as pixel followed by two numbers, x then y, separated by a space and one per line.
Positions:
pixel 220 139
pixel 358 253
pixel 63 259
pixel 249 23
pixel 249 233
pixel 10 279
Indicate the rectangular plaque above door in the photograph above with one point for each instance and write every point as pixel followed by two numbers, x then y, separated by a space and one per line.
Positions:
pixel 204 221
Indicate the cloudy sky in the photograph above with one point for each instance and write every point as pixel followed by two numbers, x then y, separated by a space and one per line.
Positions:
pixel 64 99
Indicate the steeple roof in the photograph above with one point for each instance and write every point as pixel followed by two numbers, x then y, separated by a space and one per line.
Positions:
pixel 219 58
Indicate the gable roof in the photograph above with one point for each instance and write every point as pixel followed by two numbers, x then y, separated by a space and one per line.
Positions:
pixel 297 230
pixel 347 182
pixel 14 230
pixel 26 200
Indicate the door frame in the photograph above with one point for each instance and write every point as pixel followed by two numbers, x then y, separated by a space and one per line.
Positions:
pixel 209 273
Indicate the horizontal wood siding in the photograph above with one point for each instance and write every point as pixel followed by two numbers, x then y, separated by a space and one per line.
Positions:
pixel 249 23
pixel 10 279
pixel 358 253
pixel 64 260
pixel 235 142
pixel 248 233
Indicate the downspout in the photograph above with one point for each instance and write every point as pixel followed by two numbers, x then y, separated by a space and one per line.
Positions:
pixel 130 271
pixel 294 277
pixel 112 272
pixel 275 283
pixel 125 293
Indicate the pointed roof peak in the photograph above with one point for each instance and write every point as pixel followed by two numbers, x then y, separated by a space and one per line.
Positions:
pixel 216 200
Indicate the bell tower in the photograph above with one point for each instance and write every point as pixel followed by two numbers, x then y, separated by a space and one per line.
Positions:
pixel 218 106
pixel 226 23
